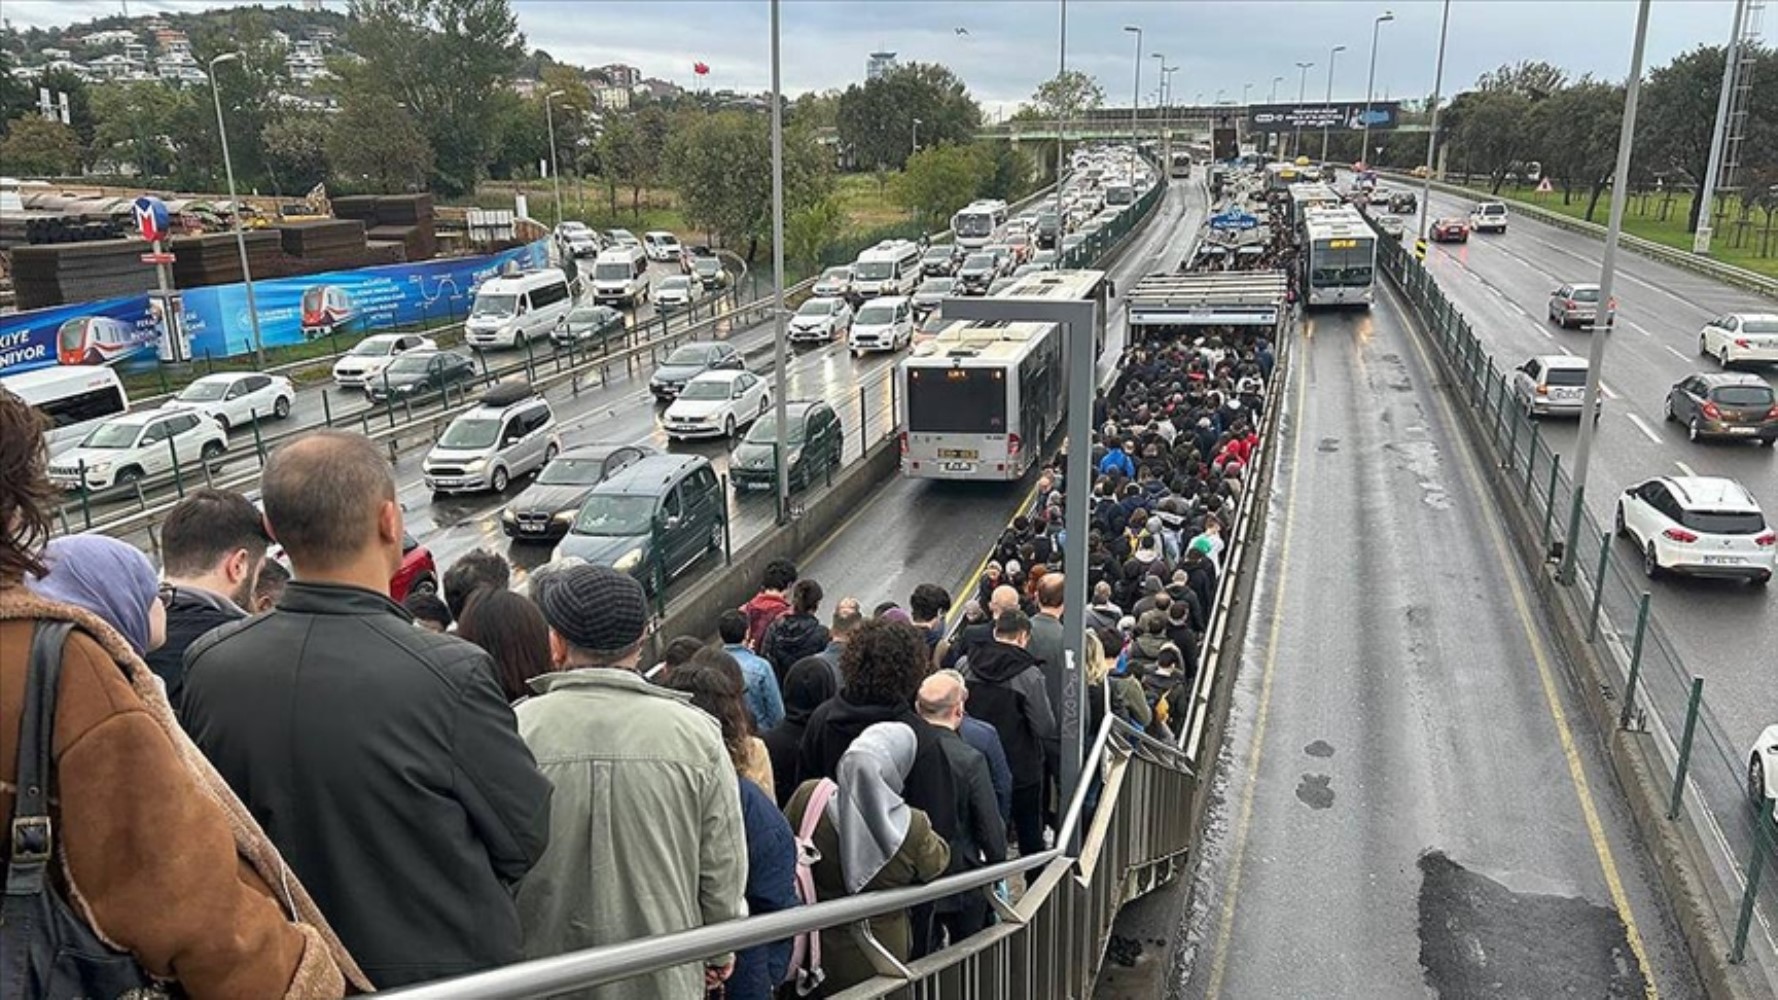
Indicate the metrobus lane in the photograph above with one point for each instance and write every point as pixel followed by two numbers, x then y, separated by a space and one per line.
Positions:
pixel 1725 630
pixel 1414 799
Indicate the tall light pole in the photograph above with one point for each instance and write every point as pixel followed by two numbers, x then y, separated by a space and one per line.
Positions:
pixel 1364 151
pixel 1136 87
pixel 780 447
pixel 1701 239
pixel 1620 184
pixel 1160 97
pixel 555 175
pixel 1438 80
pixel 234 207
pixel 1061 113
pixel 916 148
pixel 1302 92
pixel 1276 80
pixel 1331 53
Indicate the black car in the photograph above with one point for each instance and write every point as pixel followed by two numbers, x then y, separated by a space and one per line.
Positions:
pixel 652 520
pixel 978 272
pixel 938 261
pixel 419 373
pixel 546 508
pixel 690 361
pixel 1726 405
pixel 813 435
pixel 709 272
pixel 588 325
pixel 1402 202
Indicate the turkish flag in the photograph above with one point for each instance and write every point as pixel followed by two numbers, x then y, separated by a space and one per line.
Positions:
pixel 701 69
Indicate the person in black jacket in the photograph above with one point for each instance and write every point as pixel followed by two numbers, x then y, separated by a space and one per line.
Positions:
pixel 1007 691
pixel 380 758
pixel 213 546
pixel 981 833
pixel 807 687
pixel 798 632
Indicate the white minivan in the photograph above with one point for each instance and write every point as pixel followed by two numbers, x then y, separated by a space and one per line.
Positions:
pixel 620 276
pixel 882 324
pixel 508 311
pixel 892 267
pixel 75 398
pixel 662 246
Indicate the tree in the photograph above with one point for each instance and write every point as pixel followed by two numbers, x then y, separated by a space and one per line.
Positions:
pixel 809 230
pixel 625 160
pixel 136 126
pixel 1492 132
pixel 376 143
pixel 937 182
pixel 876 119
pixel 1007 170
pixel 1678 116
pixel 721 165
pixel 815 110
pixel 1574 134
pixel 446 60
pixel 1066 95
pixel 17 99
pixel 39 147
pixel 1531 79
pixel 296 152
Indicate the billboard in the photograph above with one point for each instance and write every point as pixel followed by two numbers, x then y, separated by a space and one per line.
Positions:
pixel 1383 116
pixel 291 310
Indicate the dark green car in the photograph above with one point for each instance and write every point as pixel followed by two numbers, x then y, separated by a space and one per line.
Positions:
pixel 814 438
pixel 588 326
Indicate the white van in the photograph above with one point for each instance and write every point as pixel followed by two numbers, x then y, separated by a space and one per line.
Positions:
pixel 511 310
pixel 662 246
pixel 620 275
pixel 892 267
pixel 75 398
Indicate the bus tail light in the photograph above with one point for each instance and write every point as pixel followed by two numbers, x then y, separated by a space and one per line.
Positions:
pixel 1012 446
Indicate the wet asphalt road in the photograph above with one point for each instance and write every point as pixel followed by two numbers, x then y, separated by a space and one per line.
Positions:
pixel 1411 803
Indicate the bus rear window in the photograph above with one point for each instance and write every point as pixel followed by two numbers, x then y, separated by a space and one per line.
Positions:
pixel 956 401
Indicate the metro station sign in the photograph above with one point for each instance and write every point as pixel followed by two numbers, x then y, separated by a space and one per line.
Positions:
pixel 1344 115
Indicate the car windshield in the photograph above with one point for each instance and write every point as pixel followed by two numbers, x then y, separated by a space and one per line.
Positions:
pixel 979 262
pixel 706 265
pixel 1566 376
pixel 1759 326
pixel 470 432
pixel 836 274
pixel 876 314
pixel 874 270
pixel 1724 522
pixel 614 515
pixel 938 253
pixel 706 389
pixel 765 430
pixel 590 315
pixel 676 285
pixel 690 355
pixel 409 363
pixel 1743 395
pixel 612 271
pixel 373 348
pixel 494 305
pixel 1585 295
pixel 204 391
pixel 112 436
pixel 936 286
pixel 572 472
pixel 816 307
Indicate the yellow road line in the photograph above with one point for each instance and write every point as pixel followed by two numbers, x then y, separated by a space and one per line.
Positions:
pixel 1226 925
pixel 1576 773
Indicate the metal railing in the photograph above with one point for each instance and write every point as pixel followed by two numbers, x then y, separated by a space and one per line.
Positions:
pixel 1661 699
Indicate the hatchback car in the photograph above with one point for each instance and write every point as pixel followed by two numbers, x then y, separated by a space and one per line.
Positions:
pixel 885 324
pixel 237 399
pixel 1552 385
pixel 931 292
pixel 709 273
pixel 677 292
pixel 939 260
pixel 1403 202
pixel 371 354
pixel 1762 772
pixel 1449 231
pixel 419 373
pixel 546 508
pixel 978 272
pixel 1741 337
pixel 1578 305
pixel 1698 526
pixel 716 403
pixel 835 282
pixel 1725 405
pixel 588 325
pixel 819 321
pixel 1391 226
pixel 812 434
pixel 688 362
pixel 653 520
pixel 511 432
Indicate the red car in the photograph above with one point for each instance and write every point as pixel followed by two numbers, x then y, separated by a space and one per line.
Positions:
pixel 418 573
pixel 1450 231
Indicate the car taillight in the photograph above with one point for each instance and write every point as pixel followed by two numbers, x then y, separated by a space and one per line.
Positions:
pixel 1012 445
pixel 1679 535
pixel 1709 410
pixel 1742 342
pixel 1767 539
pixel 1543 390
pixel 1772 414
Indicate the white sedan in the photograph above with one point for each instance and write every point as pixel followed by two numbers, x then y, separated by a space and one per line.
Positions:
pixel 1762 771
pixel 234 399
pixel 1741 337
pixel 374 353
pixel 716 404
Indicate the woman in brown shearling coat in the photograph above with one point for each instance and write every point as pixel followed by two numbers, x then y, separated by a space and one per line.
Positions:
pixel 152 849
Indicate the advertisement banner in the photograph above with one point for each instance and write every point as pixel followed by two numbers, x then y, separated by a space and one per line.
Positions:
pixel 1349 115
pixel 291 310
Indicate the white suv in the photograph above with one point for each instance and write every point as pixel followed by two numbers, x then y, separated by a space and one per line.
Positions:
pixel 235 399
pixel 134 446
pixel 1739 337
pixel 1488 217
pixel 512 431
pixel 1698 526
pixel 1762 772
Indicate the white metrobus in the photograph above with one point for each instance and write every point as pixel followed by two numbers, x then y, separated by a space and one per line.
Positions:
pixel 980 400
pixel 978 224
pixel 75 398
pixel 1339 257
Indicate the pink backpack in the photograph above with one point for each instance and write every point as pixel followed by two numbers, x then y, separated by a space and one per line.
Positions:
pixel 805 953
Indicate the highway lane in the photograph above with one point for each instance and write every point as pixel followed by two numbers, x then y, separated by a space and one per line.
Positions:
pixel 1725 631
pixel 1408 811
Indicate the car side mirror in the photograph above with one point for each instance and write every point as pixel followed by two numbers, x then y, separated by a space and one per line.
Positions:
pixel 671 522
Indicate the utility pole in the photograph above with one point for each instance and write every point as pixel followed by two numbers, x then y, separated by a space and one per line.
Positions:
pixel 1364 151
pixel 234 206
pixel 1061 116
pixel 781 449
pixel 1438 80
pixel 1302 91
pixel 1701 239
pixel 1331 53
pixel 1136 87
pixel 555 174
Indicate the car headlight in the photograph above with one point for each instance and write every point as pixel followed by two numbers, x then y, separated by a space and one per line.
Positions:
pixel 564 516
pixel 628 561
pixel 476 466
pixel 99 467
pixel 796 455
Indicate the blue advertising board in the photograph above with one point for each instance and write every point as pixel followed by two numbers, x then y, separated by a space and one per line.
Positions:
pixel 1234 220
pixel 291 310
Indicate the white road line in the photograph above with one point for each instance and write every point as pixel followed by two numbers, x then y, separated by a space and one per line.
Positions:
pixel 1686 469
pixel 1638 327
pixel 1641 425
pixel 1564 349
pixel 1669 349
pixel 1607 391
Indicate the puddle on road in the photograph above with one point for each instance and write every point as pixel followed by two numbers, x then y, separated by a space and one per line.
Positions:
pixel 1316 791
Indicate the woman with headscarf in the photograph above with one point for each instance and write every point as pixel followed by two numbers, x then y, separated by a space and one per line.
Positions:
pixel 869 838
pixel 109 578
pixel 808 684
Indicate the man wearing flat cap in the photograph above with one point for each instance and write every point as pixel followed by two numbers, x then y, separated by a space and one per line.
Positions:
pixel 646 819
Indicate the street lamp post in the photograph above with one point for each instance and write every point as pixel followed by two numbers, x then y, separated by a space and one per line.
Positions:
pixel 555 175
pixel 1276 80
pixel 916 148
pixel 1062 111
pixel 1438 80
pixel 1160 99
pixel 1136 87
pixel 1364 151
pixel 1302 91
pixel 781 446
pixel 1331 53
pixel 234 207
pixel 1245 89
pixel 1701 238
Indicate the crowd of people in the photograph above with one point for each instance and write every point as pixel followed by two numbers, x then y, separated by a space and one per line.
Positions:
pixel 283 783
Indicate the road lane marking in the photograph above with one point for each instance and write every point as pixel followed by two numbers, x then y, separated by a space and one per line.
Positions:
pixel 1226 924
pixel 1639 328
pixel 1546 675
pixel 1686 469
pixel 1564 349
pixel 1642 425
pixel 1607 391
pixel 1669 349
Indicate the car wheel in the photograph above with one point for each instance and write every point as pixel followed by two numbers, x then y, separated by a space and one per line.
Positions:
pixel 1703 348
pixel 549 455
pixel 425 584
pixel 1756 781
pixel 130 475
pixel 497 482
pixel 222 422
pixel 1618 522
pixel 728 427
pixel 765 403
pixel 282 408
pixel 1691 429
pixel 1762 579
pixel 1651 563
pixel 212 451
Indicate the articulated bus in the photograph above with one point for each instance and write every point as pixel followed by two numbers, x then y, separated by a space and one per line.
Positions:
pixel 1339 257
pixel 1306 196
pixel 1181 165
pixel 980 400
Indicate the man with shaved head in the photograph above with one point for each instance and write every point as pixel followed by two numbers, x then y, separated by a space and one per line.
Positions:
pixel 980 837
pixel 381 758
pixel 1003 599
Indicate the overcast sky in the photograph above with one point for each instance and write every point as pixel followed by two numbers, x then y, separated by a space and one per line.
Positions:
pixel 1011 45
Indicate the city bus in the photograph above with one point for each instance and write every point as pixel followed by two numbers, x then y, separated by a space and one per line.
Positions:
pixel 977 224
pixel 1306 196
pixel 980 400
pixel 1339 258
pixel 1180 166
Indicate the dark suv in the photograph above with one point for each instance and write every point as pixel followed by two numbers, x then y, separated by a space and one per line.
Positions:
pixel 1725 404
pixel 652 520
pixel 813 437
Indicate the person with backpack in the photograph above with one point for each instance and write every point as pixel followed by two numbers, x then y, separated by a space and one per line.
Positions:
pixel 1007 691
pixel 856 833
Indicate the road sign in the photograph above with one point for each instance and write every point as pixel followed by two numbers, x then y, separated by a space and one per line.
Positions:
pixel 151 218
pixel 157 258
pixel 1420 249
pixel 1239 221
pixel 1544 186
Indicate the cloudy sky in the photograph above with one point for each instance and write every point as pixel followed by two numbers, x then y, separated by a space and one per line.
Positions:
pixel 1010 45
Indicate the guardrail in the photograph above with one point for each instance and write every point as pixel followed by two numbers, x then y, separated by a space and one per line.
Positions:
pixel 1657 707
pixel 1728 274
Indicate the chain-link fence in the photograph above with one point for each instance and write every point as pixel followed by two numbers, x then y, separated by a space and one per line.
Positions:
pixel 1658 694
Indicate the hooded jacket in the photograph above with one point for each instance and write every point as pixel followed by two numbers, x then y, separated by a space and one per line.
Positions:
pixel 790 638
pixel 191 613
pixel 1007 691
pixel 761 612
pixel 805 690
pixel 833 727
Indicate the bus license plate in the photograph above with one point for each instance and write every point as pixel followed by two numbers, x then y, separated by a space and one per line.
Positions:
pixel 964 453
pixel 959 466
